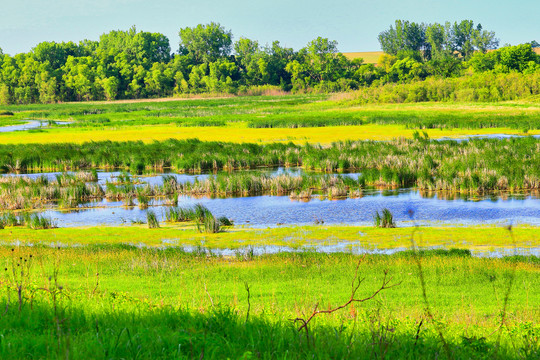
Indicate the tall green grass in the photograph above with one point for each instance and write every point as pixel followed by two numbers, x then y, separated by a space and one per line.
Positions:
pixel 207 112
pixel 385 219
pixel 122 301
pixel 152 220
pixel 477 165
pixel 32 221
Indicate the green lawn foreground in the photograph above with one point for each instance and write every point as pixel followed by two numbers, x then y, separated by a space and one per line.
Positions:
pixel 112 300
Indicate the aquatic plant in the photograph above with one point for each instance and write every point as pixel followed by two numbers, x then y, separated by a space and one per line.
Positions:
pixel 179 214
pixel 152 220
pixel 37 221
pixel 209 224
pixel 143 196
pixel 201 212
pixel 477 165
pixel 384 220
pixel 205 221
pixel 225 221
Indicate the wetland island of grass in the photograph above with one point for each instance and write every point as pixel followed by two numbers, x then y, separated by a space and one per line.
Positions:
pixel 231 200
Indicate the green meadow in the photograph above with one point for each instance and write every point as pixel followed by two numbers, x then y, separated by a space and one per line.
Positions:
pixel 122 301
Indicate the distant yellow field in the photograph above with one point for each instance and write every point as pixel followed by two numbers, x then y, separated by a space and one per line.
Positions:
pixel 370 57
pixel 237 134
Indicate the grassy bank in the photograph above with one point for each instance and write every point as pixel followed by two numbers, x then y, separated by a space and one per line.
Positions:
pixel 118 302
pixel 289 111
pixel 479 239
pixel 315 119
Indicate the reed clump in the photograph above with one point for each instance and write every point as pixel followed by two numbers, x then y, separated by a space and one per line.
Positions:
pixel 205 221
pixel 209 225
pixel 475 166
pixel 297 186
pixel 385 219
pixel 152 220
pixel 32 221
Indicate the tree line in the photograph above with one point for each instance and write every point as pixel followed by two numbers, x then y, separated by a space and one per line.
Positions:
pixel 135 64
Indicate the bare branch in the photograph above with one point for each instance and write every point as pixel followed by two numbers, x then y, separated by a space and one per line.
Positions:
pixel 355 285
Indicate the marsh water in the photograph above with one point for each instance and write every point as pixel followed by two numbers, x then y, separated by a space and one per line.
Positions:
pixel 30 125
pixel 409 206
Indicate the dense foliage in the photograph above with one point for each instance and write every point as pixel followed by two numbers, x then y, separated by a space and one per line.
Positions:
pixel 489 86
pixel 437 40
pixel 131 64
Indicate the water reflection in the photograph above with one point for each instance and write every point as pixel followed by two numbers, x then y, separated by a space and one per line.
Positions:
pixel 486 136
pixel 33 124
pixel 272 210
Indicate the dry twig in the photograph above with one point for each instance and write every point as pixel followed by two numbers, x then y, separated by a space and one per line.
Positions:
pixel 355 285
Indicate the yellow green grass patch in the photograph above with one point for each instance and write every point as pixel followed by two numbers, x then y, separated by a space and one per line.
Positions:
pixel 237 134
pixel 477 238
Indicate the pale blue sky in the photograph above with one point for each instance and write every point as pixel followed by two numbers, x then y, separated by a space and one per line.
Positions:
pixel 355 24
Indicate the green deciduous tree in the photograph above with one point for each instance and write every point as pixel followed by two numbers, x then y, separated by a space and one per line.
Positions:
pixel 517 58
pixel 406 36
pixel 251 61
pixel 79 77
pixel 436 40
pixel 205 43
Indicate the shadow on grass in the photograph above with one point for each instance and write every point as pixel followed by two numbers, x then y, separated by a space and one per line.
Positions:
pixel 124 331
